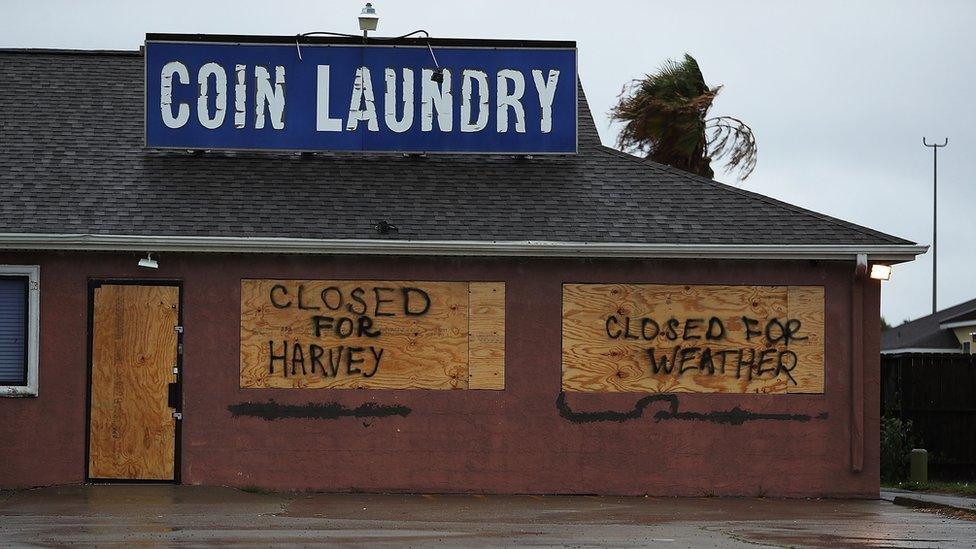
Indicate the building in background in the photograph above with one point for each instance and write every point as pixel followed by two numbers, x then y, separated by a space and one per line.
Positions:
pixel 950 330
pixel 928 378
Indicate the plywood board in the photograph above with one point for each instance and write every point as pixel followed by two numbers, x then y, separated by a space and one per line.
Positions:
pixel 693 338
pixel 364 334
pixel 132 432
pixel 486 348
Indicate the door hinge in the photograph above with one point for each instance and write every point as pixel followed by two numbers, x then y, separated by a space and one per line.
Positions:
pixel 178 415
pixel 179 329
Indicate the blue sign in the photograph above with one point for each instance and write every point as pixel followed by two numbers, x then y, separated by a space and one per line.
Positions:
pixel 359 97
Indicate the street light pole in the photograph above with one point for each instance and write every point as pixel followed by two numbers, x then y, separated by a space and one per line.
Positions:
pixel 935 212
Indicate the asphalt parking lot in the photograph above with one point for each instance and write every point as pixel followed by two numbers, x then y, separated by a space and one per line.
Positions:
pixel 193 515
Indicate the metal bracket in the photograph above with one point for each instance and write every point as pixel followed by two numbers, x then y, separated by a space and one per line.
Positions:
pixel 179 329
pixel 861 267
pixel 178 415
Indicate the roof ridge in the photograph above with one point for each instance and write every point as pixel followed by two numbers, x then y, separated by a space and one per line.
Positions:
pixel 971 302
pixel 769 200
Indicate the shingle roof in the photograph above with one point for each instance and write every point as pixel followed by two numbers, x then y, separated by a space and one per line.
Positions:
pixel 72 161
pixel 925 333
pixel 964 317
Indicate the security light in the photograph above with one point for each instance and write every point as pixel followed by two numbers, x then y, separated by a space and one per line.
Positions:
pixel 368 19
pixel 881 272
pixel 148 262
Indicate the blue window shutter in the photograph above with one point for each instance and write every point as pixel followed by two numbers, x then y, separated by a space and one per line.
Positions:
pixel 13 331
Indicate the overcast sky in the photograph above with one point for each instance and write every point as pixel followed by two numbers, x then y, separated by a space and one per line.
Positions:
pixel 839 94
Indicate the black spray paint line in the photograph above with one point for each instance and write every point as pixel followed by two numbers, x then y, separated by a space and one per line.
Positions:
pixel 592 417
pixel 271 410
pixel 735 416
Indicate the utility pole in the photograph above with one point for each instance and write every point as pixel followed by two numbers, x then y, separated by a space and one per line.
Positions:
pixel 935 211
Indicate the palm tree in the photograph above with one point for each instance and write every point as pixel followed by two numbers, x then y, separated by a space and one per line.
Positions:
pixel 665 117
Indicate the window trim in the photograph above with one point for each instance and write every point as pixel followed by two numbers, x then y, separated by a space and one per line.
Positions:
pixel 33 274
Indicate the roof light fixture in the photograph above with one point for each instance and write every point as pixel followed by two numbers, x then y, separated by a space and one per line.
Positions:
pixel 385 227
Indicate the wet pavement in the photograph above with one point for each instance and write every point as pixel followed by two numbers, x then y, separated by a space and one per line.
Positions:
pixel 193 515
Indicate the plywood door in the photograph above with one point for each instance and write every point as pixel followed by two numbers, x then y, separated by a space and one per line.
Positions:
pixel 134 345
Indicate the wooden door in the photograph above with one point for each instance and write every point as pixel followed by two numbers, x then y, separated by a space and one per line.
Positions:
pixel 132 432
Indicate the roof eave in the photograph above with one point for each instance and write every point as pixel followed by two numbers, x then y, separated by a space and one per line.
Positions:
pixel 921 350
pixel 886 253
pixel 957 324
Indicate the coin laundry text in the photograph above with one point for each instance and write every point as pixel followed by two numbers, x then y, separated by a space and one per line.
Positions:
pixel 264 105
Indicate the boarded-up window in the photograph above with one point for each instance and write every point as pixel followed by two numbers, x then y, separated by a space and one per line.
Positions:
pixel 693 338
pixel 372 334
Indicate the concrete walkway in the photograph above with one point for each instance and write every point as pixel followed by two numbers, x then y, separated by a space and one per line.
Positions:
pixel 193 515
pixel 907 497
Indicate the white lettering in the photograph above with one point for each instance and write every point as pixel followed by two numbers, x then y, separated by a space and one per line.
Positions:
pixel 547 91
pixel 467 77
pixel 324 122
pixel 362 89
pixel 166 95
pixel 389 110
pixel 240 96
pixel 436 96
pixel 511 100
pixel 203 99
pixel 271 97
pixel 399 107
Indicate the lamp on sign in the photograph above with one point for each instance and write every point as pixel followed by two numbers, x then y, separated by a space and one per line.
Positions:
pixel 368 19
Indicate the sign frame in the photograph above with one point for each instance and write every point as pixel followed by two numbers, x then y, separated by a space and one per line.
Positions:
pixel 300 41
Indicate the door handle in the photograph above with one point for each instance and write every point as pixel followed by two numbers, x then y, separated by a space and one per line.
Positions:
pixel 174 395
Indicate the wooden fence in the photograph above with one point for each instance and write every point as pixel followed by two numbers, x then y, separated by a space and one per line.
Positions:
pixel 937 392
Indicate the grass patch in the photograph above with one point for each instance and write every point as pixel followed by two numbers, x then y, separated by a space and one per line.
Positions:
pixel 967 489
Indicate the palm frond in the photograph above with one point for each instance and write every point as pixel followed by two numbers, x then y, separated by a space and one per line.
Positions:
pixel 664 116
pixel 732 140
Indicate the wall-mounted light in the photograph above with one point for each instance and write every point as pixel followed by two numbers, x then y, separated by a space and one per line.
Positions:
pixel 148 262
pixel 881 272
pixel 368 20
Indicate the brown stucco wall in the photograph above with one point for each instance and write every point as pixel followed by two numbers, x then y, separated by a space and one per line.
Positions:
pixel 511 441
